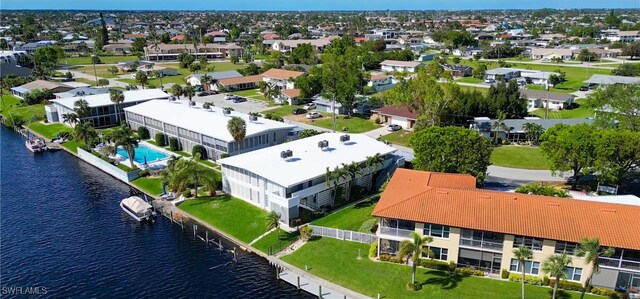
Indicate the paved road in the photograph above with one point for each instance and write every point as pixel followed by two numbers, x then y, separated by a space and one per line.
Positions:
pixel 600 65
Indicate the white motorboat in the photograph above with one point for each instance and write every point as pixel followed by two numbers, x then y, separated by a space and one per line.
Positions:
pixel 36 144
pixel 137 208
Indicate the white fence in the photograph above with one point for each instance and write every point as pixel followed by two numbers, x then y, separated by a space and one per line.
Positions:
pixel 345 235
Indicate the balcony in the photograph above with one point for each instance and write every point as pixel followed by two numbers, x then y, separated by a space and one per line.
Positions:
pixel 619 263
pixel 396 232
pixel 483 244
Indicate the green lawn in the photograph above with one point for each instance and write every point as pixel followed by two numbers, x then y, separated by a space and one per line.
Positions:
pixel 351 217
pixel 72 145
pixel 250 93
pixel 276 240
pixel 580 112
pixel 337 262
pixel 398 137
pixel 100 71
pixel 12 106
pixel 233 216
pixel 49 130
pixel 284 110
pixel 519 157
pixel 353 124
pixel 103 60
pixel 470 80
pixel 149 184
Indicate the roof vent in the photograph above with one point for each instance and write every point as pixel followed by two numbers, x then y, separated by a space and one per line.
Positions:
pixel 345 138
pixel 323 144
pixel 286 154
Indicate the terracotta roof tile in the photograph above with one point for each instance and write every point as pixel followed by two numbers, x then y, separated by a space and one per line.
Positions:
pixel 291 93
pixel 240 80
pixel 281 74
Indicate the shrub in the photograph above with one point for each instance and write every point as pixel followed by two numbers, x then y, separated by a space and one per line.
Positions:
pixel 567 285
pixel 143 132
pixel 434 264
pixel 384 257
pixel 378 120
pixel 102 82
pixel 397 260
pixel 368 226
pixel 143 173
pixel 373 249
pixel 199 149
pixel 186 193
pixel 159 138
pixel 452 266
pixel 504 274
pixel 528 279
pixel 469 272
pixel 305 232
pixel 174 145
pixel 545 280
pixel 608 293
pixel 224 155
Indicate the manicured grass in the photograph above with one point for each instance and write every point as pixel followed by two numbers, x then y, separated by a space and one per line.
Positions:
pixel 12 106
pixel 153 185
pixel 282 111
pixel 353 124
pixel 103 60
pixel 580 112
pixel 251 93
pixel 337 261
pixel 351 217
pixel 234 216
pixel 125 167
pixel 276 240
pixel 72 145
pixel 49 130
pixel 398 137
pixel 101 71
pixel 470 80
pixel 210 164
pixel 526 157
pixel 86 81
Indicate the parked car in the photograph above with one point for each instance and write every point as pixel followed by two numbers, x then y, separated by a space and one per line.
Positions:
pixel 393 128
pixel 229 97
pixel 584 88
pixel 202 94
pixel 68 80
pixel 310 106
pixel 239 100
pixel 592 85
pixel 312 115
pixel 299 111
pixel 489 81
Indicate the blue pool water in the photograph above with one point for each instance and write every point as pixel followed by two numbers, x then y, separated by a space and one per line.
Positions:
pixel 142 152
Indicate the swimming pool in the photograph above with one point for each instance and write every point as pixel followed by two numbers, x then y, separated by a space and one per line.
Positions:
pixel 142 153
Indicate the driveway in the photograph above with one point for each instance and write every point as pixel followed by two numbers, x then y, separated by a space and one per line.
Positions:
pixel 377 133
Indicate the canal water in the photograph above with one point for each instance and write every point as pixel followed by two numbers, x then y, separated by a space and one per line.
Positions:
pixel 63 231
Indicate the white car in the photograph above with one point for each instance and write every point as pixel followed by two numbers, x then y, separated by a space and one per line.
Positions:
pixel 489 81
pixel 393 128
pixel 309 106
pixel 312 115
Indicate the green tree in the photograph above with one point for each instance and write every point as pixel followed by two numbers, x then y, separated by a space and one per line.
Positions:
pixel 522 254
pixel 586 55
pixel 125 138
pixel 499 126
pixel 452 150
pixel 84 131
pixel 82 108
pixel 176 90
pixel 332 179
pixel 188 171
pixel 302 54
pixel 142 78
pixel 237 127
pixel 113 70
pixel 70 118
pixel 480 71
pixel 632 50
pixel 617 154
pixel 555 265
pixel 612 21
pixel 234 59
pixel 117 97
pixel 350 173
pixel 46 60
pixel 371 162
pixel 627 70
pixel 570 148
pixel 189 91
pixel 185 60
pixel 617 105
pixel 273 222
pixel 533 132
pixel 591 250
pixel 414 249
pixel 138 44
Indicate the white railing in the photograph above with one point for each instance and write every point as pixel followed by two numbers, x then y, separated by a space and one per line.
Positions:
pixel 397 232
pixel 345 235
pixel 481 244
pixel 619 263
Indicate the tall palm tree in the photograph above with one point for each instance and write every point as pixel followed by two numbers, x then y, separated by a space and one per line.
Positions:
pixel 351 171
pixel 273 221
pixel 591 250
pixel 117 97
pixel 189 170
pixel 189 92
pixel 263 86
pixel 204 81
pixel 237 127
pixel 84 131
pixel 159 75
pixel 332 179
pixel 414 249
pixel 533 132
pixel 82 108
pixel 554 265
pixel 123 136
pixel 142 78
pixel 70 118
pixel 522 254
pixel 371 162
pixel 499 126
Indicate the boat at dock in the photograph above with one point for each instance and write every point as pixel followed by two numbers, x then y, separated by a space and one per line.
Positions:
pixel 36 144
pixel 137 208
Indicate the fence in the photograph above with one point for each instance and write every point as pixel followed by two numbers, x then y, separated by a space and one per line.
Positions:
pixel 345 235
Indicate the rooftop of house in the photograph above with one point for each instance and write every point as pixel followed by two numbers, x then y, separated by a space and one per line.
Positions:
pixel 308 160
pixel 281 74
pixel 218 75
pixel 104 99
pixel 81 91
pixel 408 197
pixel 544 95
pixel 291 93
pixel 211 122
pixel 517 125
pixel 609 79
pixel 401 111
pixel 240 80
pixel 501 71
pixel 401 63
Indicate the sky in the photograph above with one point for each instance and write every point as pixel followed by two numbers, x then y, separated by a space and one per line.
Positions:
pixel 312 5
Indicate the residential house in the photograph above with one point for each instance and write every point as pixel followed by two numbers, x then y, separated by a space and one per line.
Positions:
pixel 381 82
pixel 505 74
pixel 195 79
pixel 289 96
pixel 81 91
pixel 396 115
pixel 264 177
pixel 554 100
pixel 458 70
pixel 480 228
pixel 623 36
pixel 238 83
pixel 54 87
pixel 193 125
pixel 121 46
pixel 400 66
pixel 548 54
pixel 609 79
pixel 467 52
pixel 281 78
pixel 170 52
pixel 8 69
pixel 536 77
pixel 516 130
pixel 286 46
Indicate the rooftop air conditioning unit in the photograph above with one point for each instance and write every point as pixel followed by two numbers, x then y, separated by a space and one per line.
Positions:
pixel 253 118
pixel 226 111
pixel 323 144
pixel 172 98
pixel 192 103
pixel 345 138
pixel 286 154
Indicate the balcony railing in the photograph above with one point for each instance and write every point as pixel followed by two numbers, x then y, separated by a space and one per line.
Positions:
pixel 619 263
pixel 481 244
pixel 398 232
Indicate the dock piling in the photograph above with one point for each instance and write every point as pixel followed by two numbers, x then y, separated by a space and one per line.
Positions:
pixel 320 291
pixel 206 235
pixel 195 228
pixel 298 283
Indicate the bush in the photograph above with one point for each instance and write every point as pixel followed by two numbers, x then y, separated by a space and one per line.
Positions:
pixel 373 249
pixel 224 155
pixel 384 257
pixel 504 274
pixel 528 279
pixel 469 272
pixel 102 82
pixel 434 264
pixel 608 293
pixel 199 149
pixel 397 260
pixel 378 120
pixel 159 138
pixel 186 193
pixel 567 285
pixel 452 266
pixel 143 173
pixel 174 145
pixel 143 133
pixel 545 280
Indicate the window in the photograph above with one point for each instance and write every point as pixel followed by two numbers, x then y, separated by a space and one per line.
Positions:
pixel 532 243
pixel 566 247
pixel 434 230
pixel 530 267
pixel 573 273
pixel 439 253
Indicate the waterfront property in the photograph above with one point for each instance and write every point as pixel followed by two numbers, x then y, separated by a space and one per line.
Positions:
pixel 192 125
pixel 170 52
pixel 285 177
pixel 104 112
pixel 516 130
pixel 480 228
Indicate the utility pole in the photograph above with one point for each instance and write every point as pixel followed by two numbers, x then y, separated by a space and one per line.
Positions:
pixel 546 110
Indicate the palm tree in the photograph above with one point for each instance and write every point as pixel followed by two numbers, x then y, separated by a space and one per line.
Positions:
pixel 238 129
pixel 499 126
pixel 273 221
pixel 142 78
pixel 204 81
pixel 351 171
pixel 158 74
pixel 84 131
pixel 176 90
pixel 591 250
pixel 414 249
pixel 70 118
pixel 371 162
pixel 189 170
pixel 82 108
pixel 189 92
pixel 554 265
pixel 124 137
pixel 117 97
pixel 522 254
pixel 533 132
pixel 263 86
pixel 332 179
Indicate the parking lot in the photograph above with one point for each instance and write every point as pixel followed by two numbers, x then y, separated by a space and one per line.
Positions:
pixel 250 105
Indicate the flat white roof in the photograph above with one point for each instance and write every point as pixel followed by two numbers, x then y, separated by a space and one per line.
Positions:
pixel 308 160
pixel 104 99
pixel 212 123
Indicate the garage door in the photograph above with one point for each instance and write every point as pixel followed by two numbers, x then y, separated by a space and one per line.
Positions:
pixel 403 122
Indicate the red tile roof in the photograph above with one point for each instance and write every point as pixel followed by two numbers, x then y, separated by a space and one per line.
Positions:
pixel 401 111
pixel 281 74
pixel 240 80
pixel 406 197
pixel 291 93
